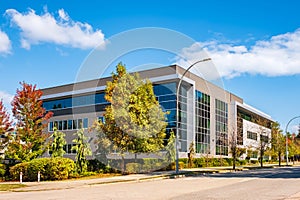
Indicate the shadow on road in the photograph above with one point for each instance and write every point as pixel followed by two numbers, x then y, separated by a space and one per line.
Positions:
pixel 283 172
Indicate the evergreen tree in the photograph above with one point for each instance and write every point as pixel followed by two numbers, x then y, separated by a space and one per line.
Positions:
pixel 31 120
pixel 82 148
pixel 170 148
pixel 57 146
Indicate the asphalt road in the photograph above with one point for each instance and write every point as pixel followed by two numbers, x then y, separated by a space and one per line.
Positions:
pixel 278 183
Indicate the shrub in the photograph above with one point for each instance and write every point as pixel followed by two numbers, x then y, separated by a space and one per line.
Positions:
pixel 2 171
pixel 150 164
pixel 242 162
pixel 254 161
pixel 133 168
pixel 229 161
pixel 199 162
pixel 50 169
pixel 185 161
pixel 15 171
pixel 95 165
pixel 88 174
pixel 59 168
pixel 35 166
pixel 172 166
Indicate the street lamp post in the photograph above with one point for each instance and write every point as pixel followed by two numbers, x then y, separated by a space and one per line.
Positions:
pixel 177 110
pixel 286 140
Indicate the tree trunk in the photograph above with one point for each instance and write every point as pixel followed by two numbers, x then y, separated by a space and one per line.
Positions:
pixel 279 158
pixel 234 160
pixel 233 165
pixel 123 165
pixel 261 159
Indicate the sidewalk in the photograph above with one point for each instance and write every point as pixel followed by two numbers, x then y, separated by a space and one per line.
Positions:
pixel 69 184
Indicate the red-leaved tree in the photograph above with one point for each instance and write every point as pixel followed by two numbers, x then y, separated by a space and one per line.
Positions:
pixel 5 126
pixel 31 120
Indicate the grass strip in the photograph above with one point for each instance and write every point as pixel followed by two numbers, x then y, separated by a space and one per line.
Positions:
pixel 9 187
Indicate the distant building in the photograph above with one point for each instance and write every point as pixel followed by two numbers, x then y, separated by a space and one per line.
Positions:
pixel 209 115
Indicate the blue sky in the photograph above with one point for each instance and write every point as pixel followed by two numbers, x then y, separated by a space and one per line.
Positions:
pixel 255 45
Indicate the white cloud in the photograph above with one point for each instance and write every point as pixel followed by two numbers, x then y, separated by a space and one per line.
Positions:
pixel 61 30
pixel 280 55
pixel 5 43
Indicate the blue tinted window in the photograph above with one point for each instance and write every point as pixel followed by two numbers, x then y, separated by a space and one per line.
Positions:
pixel 70 124
pixel 168 105
pixel 171 116
pixel 75 101
pixel 65 125
pixel 51 126
pixel 163 89
pixel 85 123
pixel 167 98
pixel 100 98
pixel 102 119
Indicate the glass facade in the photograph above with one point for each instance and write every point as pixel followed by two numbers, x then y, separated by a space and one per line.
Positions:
pixel 240 130
pixel 182 119
pixel 71 102
pixel 221 114
pixel 166 96
pixel 202 132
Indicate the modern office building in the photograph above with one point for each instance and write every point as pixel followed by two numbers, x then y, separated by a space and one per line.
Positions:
pixel 209 116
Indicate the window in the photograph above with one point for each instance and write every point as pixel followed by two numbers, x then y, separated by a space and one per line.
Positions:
pixel 70 102
pixel 166 95
pixel 65 124
pixel 102 119
pixel 251 135
pixel 85 123
pixel 264 138
pixel 68 149
pixel 70 124
pixel 202 125
pixel 80 125
pixel 221 115
pixel 50 126
pixel 59 125
pixel 56 124
pixel 74 124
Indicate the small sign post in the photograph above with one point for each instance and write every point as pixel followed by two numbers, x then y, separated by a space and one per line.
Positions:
pixel 39 176
pixel 21 177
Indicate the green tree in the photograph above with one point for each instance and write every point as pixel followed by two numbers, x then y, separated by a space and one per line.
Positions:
pixel 191 154
pixel 5 126
pixel 234 148
pixel 57 145
pixel 277 141
pixel 170 148
pixel 31 118
pixel 103 143
pixel 134 121
pixel 82 148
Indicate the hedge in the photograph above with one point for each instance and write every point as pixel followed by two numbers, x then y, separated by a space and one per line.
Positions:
pixel 49 168
pixel 2 171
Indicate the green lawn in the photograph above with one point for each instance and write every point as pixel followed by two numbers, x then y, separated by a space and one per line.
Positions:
pixel 7 187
